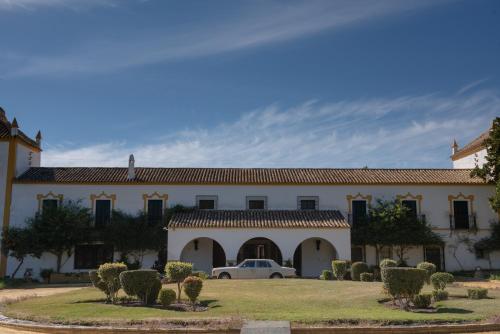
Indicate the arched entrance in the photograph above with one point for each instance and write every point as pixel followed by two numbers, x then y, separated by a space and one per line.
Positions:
pixel 260 248
pixel 204 253
pixel 312 256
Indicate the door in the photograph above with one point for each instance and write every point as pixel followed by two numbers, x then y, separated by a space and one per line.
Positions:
pixel 263 269
pixel 247 269
pixel 433 255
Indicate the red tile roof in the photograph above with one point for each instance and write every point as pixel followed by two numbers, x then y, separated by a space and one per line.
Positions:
pixel 258 176
pixel 474 146
pixel 259 219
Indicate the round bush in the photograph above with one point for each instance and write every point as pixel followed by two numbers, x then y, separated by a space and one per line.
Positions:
pixel 404 283
pixel 357 268
pixel 98 283
pixel 192 287
pixel 441 280
pixel 366 277
pixel 339 269
pixel 430 268
pixel 143 283
pixel 439 295
pixel 110 275
pixel 422 300
pixel 326 275
pixel 477 293
pixel 166 296
pixel 386 263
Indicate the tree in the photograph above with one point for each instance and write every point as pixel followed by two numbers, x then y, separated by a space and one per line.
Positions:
pixel 134 234
pixel 490 171
pixel 20 242
pixel 59 230
pixel 389 223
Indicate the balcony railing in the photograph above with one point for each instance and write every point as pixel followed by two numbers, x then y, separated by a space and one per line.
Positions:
pixel 463 222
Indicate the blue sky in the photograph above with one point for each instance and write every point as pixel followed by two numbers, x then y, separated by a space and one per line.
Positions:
pixel 255 83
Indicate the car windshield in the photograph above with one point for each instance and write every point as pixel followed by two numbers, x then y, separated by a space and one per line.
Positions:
pixel 248 264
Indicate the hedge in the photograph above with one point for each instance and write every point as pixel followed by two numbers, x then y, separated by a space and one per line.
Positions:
pixel 357 268
pixel 439 295
pixel 429 267
pixel 403 284
pixel 192 287
pixel 339 269
pixel 166 296
pixel 386 263
pixel 366 277
pixel 98 283
pixel 441 280
pixel 110 274
pixel 177 271
pixel 422 300
pixel 477 293
pixel 143 283
pixel 326 275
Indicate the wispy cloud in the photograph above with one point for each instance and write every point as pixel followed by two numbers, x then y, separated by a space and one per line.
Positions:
pixel 266 24
pixel 70 4
pixel 409 131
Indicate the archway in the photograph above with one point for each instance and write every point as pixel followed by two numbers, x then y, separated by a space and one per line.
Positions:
pixel 260 248
pixel 204 253
pixel 312 256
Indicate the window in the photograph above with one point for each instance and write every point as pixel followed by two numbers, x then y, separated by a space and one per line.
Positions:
pixel 102 212
pixel 357 254
pixel 358 211
pixel 92 256
pixel 256 203
pixel 411 205
pixel 308 203
pixel 155 210
pixel 248 264
pixel 206 202
pixel 461 214
pixel 263 264
pixel 49 205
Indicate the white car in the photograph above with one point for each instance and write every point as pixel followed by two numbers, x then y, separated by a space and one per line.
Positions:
pixel 254 268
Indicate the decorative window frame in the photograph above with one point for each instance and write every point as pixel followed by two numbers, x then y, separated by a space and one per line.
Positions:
pixel 358 196
pixel 315 198
pixel 49 195
pixel 461 197
pixel 256 198
pixel 154 196
pixel 215 198
pixel 103 195
pixel 409 196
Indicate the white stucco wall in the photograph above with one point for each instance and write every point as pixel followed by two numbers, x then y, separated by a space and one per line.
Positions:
pixel 26 158
pixel 435 206
pixel 471 161
pixel 201 258
pixel 314 261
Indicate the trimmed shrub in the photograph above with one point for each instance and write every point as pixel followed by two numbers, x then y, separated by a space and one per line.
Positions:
pixel 201 274
pixel 177 271
pixel 376 272
pixel 430 268
pixel 441 280
pixel 366 277
pixel 422 300
pixel 477 293
pixel 439 295
pixel 357 268
pixel 326 275
pixel 110 275
pixel 339 269
pixel 166 296
pixel 98 283
pixel 404 283
pixel 143 283
pixel 386 263
pixel 192 287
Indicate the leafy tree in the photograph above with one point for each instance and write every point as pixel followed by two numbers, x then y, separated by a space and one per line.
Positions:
pixel 59 229
pixel 389 223
pixel 20 242
pixel 490 171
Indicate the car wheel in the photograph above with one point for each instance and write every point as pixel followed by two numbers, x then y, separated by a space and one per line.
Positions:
pixel 276 275
pixel 224 276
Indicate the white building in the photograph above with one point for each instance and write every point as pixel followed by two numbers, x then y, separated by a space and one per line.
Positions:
pixel 298 215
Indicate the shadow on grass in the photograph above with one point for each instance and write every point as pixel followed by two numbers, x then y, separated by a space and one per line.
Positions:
pixel 453 310
pixel 209 303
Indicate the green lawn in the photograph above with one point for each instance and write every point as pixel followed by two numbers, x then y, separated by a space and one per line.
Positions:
pixel 304 301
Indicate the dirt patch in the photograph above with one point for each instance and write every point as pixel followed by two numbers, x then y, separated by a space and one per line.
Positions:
pixel 15 294
pixel 482 284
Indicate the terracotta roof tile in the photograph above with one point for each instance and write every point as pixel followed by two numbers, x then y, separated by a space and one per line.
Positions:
pixel 305 176
pixel 474 146
pixel 259 219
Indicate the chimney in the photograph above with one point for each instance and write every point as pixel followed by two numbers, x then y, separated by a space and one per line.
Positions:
pixel 14 130
pixel 454 147
pixel 131 167
pixel 38 138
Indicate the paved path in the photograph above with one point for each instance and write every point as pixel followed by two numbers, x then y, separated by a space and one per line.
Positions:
pixel 266 327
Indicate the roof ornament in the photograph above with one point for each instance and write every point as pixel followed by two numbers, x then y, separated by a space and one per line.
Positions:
pixel 14 130
pixel 131 167
pixel 38 138
pixel 454 147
